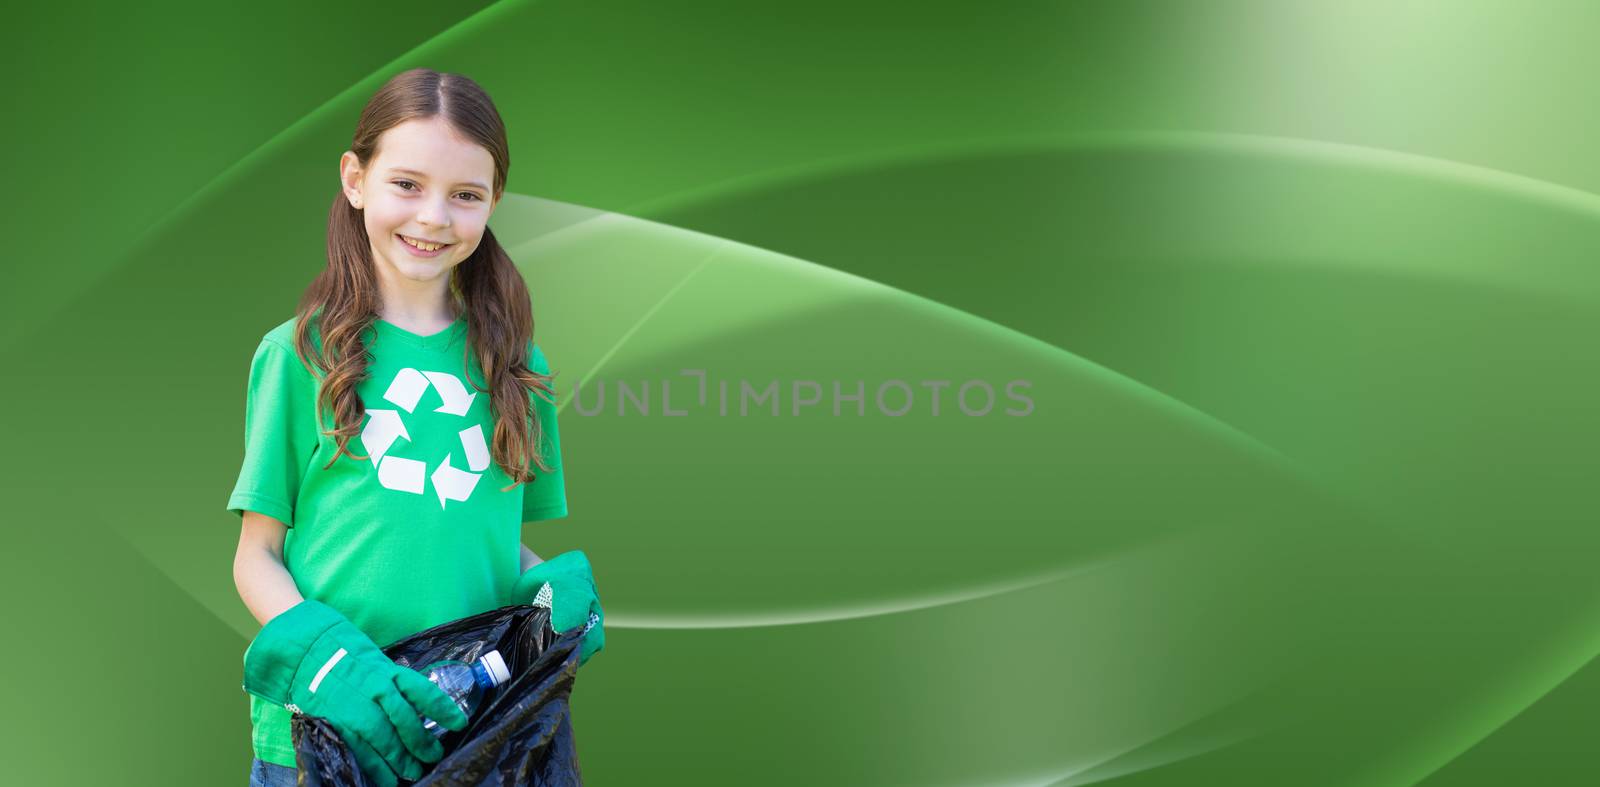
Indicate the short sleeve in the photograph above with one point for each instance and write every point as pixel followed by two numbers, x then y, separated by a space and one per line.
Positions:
pixel 546 496
pixel 280 433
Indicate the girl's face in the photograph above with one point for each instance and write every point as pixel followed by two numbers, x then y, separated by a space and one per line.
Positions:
pixel 426 186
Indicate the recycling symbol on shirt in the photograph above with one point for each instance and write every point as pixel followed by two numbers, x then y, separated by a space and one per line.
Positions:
pixel 385 426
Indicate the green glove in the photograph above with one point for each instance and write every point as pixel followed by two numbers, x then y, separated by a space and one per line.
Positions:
pixel 313 661
pixel 571 596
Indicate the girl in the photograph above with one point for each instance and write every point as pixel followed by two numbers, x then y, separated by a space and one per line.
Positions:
pixel 418 312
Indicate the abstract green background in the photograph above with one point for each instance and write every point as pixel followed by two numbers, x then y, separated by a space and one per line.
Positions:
pixel 1306 293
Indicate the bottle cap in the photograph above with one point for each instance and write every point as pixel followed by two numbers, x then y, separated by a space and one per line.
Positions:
pixel 496 666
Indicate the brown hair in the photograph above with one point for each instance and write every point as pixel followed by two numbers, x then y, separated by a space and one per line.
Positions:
pixel 344 299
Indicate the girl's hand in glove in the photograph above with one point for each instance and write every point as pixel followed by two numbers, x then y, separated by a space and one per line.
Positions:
pixel 573 598
pixel 313 661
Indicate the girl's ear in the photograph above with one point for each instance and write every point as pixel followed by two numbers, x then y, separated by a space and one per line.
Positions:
pixel 350 178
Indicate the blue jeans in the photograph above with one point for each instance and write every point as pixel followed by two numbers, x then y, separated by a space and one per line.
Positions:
pixel 266 774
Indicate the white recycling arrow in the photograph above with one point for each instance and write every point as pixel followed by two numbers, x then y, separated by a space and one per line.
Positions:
pixel 455 396
pixel 407 388
pixel 477 450
pixel 405 475
pixel 382 429
pixel 453 484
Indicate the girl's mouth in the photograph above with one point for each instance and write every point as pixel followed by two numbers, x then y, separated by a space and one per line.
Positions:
pixel 421 248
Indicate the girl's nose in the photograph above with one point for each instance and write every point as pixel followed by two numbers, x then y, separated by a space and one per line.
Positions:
pixel 434 213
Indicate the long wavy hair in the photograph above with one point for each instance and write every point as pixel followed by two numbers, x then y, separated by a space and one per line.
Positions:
pixel 344 299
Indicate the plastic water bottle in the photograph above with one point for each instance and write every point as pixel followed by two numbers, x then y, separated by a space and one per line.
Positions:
pixel 465 683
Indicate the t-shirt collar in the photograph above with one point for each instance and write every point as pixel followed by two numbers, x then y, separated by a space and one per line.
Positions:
pixel 434 341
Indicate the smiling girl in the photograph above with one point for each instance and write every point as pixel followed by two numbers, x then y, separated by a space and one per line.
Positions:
pixel 415 345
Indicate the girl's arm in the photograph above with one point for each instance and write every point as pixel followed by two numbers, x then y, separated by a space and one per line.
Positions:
pixel 258 572
pixel 529 559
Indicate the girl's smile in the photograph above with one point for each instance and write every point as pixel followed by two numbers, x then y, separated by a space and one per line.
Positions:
pixel 420 248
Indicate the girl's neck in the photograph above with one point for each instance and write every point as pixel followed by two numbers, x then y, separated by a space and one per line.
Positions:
pixel 422 307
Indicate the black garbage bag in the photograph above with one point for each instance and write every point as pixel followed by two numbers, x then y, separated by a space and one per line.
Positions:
pixel 521 735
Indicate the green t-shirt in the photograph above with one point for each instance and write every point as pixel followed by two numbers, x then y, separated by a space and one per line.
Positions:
pixel 417 536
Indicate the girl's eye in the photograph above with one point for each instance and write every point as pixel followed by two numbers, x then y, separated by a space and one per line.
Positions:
pixel 406 184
